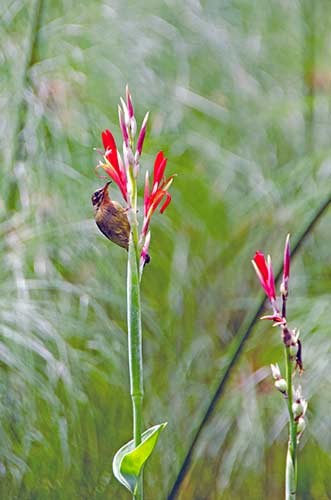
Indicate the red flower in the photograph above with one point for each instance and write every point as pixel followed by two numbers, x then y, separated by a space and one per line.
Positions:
pixel 114 166
pixel 265 274
pixel 159 190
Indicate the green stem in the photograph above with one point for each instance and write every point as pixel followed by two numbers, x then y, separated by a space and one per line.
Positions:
pixel 135 333
pixel 291 460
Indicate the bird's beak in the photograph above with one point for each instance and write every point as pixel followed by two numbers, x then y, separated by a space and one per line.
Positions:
pixel 105 188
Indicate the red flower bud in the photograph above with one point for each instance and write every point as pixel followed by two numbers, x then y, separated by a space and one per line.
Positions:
pixel 286 268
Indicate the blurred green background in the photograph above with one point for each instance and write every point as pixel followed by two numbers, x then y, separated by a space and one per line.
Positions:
pixel 239 94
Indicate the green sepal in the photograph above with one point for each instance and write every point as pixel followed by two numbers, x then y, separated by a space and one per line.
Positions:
pixel 129 461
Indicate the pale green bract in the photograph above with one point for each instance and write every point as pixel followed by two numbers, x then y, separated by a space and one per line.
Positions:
pixel 129 461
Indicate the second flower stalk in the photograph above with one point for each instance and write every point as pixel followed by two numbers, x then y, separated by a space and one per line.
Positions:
pixel 293 360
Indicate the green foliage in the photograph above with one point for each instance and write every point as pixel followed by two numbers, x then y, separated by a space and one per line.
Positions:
pixel 239 95
pixel 130 460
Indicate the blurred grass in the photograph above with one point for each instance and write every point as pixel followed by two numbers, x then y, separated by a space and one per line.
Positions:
pixel 240 102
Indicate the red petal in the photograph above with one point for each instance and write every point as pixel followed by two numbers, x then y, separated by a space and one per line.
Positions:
pixel 146 195
pixel 271 281
pixel 259 260
pixel 166 203
pixel 108 140
pixel 159 167
pixel 114 175
pixel 155 200
pixel 110 148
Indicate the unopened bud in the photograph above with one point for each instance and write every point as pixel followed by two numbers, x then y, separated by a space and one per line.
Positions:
pixel 298 393
pixel 281 385
pixel 133 127
pixel 301 425
pixel 129 102
pixel 142 134
pixel 283 290
pixel 136 167
pixel 123 126
pixel 275 371
pixel 128 156
pixel 293 349
pixel 286 268
pixel 297 409
pixel 126 112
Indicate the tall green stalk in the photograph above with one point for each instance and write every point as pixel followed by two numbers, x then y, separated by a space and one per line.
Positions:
pixel 134 330
pixel 129 460
pixel 291 459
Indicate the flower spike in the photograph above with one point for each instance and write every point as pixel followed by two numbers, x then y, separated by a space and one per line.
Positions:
pixel 124 171
pixel 297 405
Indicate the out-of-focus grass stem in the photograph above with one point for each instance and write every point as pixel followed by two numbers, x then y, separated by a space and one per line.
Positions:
pixel 31 56
pixel 309 71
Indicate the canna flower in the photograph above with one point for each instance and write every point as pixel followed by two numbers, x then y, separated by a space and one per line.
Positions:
pixel 113 165
pixel 265 274
pixel 159 191
pixel 124 171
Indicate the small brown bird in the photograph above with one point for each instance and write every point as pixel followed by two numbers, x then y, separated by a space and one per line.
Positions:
pixel 110 217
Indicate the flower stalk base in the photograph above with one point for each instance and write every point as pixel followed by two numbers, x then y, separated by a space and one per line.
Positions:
pixel 135 347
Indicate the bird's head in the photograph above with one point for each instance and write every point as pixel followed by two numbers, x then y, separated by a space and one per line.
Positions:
pixel 100 195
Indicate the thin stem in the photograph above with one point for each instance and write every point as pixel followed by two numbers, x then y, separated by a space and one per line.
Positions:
pixel 135 332
pixel 235 351
pixel 291 462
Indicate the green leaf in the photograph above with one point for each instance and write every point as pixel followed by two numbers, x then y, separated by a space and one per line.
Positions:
pixel 129 461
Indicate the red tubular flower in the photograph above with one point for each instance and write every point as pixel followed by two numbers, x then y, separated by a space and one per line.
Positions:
pixel 159 191
pixel 114 166
pixel 265 274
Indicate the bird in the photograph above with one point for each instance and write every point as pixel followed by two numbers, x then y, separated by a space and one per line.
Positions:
pixel 110 217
